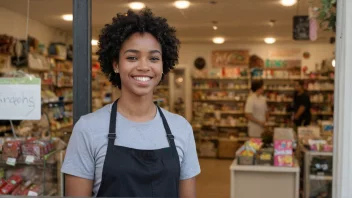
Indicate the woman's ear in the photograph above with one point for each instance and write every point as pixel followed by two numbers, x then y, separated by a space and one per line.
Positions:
pixel 116 67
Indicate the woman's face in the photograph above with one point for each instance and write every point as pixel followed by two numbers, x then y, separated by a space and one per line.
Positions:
pixel 140 64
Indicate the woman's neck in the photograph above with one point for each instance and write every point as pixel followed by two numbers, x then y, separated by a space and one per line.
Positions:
pixel 136 108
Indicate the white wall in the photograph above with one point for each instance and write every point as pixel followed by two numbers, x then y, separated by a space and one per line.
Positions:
pixel 189 52
pixel 14 24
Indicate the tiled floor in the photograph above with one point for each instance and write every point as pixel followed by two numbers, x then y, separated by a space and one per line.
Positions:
pixel 214 180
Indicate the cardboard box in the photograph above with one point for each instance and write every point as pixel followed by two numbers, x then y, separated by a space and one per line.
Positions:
pixel 227 148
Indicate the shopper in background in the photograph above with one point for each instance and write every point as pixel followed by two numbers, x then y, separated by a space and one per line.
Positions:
pixel 256 110
pixel 301 105
pixel 133 148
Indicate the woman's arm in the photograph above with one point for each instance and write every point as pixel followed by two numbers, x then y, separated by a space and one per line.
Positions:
pixel 188 188
pixel 77 186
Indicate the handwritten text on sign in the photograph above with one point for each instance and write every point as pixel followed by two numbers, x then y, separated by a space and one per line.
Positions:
pixel 20 98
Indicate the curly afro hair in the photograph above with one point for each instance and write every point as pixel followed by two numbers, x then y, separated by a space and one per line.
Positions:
pixel 122 27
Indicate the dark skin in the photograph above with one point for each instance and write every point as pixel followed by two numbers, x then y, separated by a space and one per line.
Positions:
pixel 140 57
pixel 302 108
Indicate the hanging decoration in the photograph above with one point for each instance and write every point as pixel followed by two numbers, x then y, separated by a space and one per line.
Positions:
pixel 313 24
pixel 327 15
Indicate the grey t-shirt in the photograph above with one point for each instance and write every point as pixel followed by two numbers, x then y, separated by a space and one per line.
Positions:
pixel 88 143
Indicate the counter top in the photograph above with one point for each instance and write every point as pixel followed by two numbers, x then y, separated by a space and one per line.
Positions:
pixel 260 168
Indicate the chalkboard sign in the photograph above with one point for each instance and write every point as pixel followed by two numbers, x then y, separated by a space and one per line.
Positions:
pixel 301 28
pixel 20 98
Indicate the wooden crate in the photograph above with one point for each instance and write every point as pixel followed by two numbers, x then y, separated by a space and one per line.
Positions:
pixel 227 148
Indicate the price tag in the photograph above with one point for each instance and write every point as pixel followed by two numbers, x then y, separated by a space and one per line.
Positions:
pixel 31 193
pixel 29 159
pixel 11 161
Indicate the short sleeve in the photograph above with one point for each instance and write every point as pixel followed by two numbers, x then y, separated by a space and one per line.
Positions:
pixel 190 165
pixel 79 158
pixel 306 101
pixel 249 105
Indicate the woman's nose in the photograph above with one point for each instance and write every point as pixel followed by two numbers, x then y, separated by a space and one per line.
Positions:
pixel 143 65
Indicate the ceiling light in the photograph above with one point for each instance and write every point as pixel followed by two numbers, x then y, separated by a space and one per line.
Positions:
pixel 136 5
pixel 182 4
pixel 215 27
pixel 67 17
pixel 288 2
pixel 94 42
pixel 333 62
pixel 218 40
pixel 269 40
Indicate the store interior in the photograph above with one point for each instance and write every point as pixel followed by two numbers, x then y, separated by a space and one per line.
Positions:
pixel 225 46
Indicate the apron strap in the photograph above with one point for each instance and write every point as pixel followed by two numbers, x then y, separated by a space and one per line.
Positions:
pixel 112 127
pixel 169 135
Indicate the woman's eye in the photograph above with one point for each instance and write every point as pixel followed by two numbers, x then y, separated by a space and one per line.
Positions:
pixel 132 58
pixel 154 59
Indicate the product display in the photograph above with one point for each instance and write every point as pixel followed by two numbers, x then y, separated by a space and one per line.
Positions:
pixel 23 163
pixel 215 95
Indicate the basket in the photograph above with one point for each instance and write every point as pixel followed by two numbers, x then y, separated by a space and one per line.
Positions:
pixel 245 160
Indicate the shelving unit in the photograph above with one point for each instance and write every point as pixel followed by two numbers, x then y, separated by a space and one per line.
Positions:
pixel 218 113
pixel 219 96
pixel 316 183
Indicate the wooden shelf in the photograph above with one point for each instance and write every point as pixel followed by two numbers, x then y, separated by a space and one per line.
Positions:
pixel 320 178
pixel 227 126
pixel 223 78
pixel 220 89
pixel 274 101
pixel 218 99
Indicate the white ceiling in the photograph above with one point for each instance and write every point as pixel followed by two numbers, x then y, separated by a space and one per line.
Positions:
pixel 239 21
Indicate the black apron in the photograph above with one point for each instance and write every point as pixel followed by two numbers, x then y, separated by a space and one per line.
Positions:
pixel 131 172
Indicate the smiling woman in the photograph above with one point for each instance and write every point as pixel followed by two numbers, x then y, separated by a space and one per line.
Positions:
pixel 133 148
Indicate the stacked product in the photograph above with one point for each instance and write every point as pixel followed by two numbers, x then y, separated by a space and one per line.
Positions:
pixel 19 173
pixel 269 150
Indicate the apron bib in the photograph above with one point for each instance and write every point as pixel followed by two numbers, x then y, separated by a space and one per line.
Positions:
pixel 129 172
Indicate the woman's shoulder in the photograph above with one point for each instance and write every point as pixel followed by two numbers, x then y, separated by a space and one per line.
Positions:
pixel 94 120
pixel 177 121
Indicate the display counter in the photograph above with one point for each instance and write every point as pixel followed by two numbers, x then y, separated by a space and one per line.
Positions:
pixel 264 181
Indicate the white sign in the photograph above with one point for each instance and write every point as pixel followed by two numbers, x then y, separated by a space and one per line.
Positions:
pixel 29 159
pixel 11 161
pixel 20 98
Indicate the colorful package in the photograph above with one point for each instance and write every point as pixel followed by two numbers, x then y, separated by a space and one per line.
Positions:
pixel 2 183
pixel 37 148
pixel 34 190
pixel 12 183
pixel 255 143
pixel 11 149
pixel 283 160
pixel 283 153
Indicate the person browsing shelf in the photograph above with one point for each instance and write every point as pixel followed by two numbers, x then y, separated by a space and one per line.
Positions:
pixel 132 147
pixel 256 110
pixel 301 105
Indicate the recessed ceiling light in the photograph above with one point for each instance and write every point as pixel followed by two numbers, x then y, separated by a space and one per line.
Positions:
pixel 67 17
pixel 215 27
pixel 218 40
pixel 288 2
pixel 136 5
pixel 94 42
pixel 269 40
pixel 182 4
pixel 333 63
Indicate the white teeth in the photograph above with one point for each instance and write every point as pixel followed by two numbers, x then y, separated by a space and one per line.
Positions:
pixel 143 79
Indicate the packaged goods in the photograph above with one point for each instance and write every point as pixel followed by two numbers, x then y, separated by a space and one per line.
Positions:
pixel 37 148
pixel 11 149
pixel 283 153
pixel 2 183
pixel 12 183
